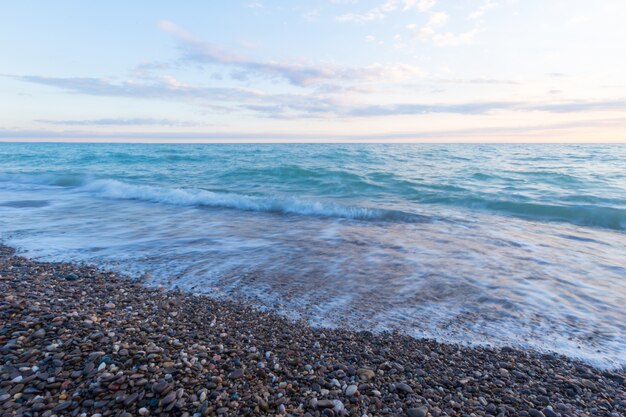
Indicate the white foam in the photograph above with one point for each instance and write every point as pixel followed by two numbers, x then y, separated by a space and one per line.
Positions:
pixel 193 197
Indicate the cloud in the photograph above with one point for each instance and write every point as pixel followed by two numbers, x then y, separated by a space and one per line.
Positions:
pixel 308 105
pixel 168 88
pixel 197 51
pixel 581 106
pixel 470 108
pixel 119 122
pixel 492 81
pixel 430 32
pixel 165 87
pixel 480 12
pixel 488 133
pixel 381 11
pixel 415 109
pixel 375 13
pixel 420 5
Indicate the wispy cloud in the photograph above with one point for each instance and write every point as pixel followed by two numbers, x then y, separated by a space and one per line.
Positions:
pixel 198 51
pixel 168 88
pixel 120 122
pixel 492 81
pixel 486 133
pixel 301 74
pixel 381 11
pixel 480 12
pixel 431 32
pixel 420 5
pixel 375 13
pixel 484 107
pixel 165 87
pixel 416 109
pixel 307 105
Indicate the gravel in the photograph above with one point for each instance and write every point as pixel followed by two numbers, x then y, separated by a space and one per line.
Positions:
pixel 79 341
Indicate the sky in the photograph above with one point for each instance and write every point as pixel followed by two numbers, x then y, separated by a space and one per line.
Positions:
pixel 313 71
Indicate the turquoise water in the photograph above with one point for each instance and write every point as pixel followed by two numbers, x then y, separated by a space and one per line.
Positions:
pixel 501 244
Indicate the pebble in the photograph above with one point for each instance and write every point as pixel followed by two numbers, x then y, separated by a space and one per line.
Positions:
pixel 548 412
pixel 417 412
pixel 167 353
pixel 405 388
pixel 237 373
pixel 39 334
pixel 351 390
pixel 365 373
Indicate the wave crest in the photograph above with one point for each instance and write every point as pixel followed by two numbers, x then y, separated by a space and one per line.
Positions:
pixel 286 205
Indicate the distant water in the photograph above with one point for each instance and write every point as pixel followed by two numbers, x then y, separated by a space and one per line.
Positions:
pixel 521 245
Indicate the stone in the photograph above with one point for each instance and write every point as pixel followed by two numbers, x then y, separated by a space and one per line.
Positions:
pixel 39 334
pixel 365 373
pixel 325 404
pixel 168 399
pixel 236 374
pixel 351 390
pixel 405 388
pixel 62 406
pixel 417 412
pixel 548 412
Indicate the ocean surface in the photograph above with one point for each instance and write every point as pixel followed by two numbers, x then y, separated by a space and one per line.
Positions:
pixel 521 245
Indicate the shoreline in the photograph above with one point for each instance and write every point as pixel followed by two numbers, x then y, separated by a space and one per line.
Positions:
pixel 76 339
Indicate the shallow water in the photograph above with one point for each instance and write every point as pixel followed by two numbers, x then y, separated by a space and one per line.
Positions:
pixel 502 244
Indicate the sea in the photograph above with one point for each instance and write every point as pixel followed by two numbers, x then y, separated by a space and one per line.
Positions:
pixel 518 245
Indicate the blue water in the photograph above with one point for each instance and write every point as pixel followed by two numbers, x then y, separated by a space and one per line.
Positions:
pixel 520 245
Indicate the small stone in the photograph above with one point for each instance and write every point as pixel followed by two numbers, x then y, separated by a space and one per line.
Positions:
pixel 365 373
pixel 548 412
pixel 39 334
pixel 236 374
pixel 131 399
pixel 405 388
pixel 109 306
pixel 169 398
pixel 417 412
pixel 351 390
pixel 143 411
pixel 337 405
pixel 63 406
pixel 160 386
pixel 325 404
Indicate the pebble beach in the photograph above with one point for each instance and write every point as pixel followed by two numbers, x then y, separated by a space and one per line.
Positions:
pixel 80 341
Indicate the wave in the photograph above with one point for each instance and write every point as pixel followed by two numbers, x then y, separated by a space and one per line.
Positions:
pixel 580 210
pixel 581 215
pixel 203 198
pixel 58 180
